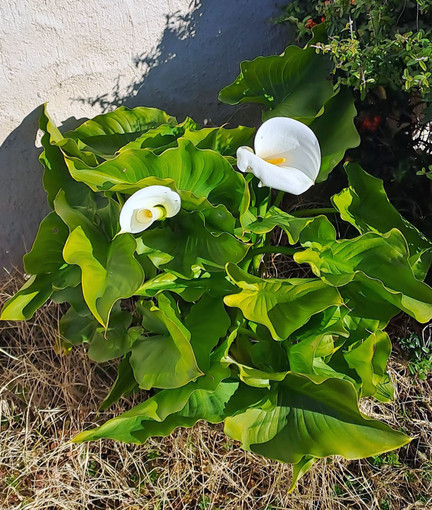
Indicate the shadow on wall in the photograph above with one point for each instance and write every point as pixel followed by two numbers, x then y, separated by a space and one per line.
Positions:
pixel 23 203
pixel 199 53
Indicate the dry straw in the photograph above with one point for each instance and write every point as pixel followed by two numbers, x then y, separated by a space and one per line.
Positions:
pixel 46 397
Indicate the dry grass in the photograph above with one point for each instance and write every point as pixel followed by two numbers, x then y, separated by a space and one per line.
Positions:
pixel 46 398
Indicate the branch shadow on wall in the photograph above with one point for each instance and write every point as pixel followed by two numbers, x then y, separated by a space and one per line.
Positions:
pixel 198 54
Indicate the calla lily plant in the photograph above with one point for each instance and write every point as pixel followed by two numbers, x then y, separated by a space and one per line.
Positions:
pixel 191 309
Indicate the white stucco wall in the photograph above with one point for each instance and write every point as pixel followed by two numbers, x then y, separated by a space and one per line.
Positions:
pixel 88 56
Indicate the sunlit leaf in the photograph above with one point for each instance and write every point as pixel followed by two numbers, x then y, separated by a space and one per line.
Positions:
pixel 104 283
pixel 312 416
pixel 377 262
pixel 184 243
pixel 281 305
pixel 365 205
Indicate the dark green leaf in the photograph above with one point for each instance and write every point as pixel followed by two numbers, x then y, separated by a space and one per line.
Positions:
pixel 294 84
pixel 365 205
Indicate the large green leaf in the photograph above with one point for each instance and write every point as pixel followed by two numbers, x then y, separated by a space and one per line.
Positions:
pixel 85 219
pixel 293 226
pixel 224 141
pixel 162 137
pixel 207 322
pixel 123 385
pixel 294 84
pixel 105 134
pixel 56 175
pixel 219 139
pixel 335 130
pixel 31 296
pixel 369 360
pixel 115 340
pixel 281 305
pixel 216 284
pixel 376 262
pixel 46 254
pixel 205 173
pixel 164 360
pixel 35 292
pixel 104 283
pixel 183 243
pixel 77 328
pixel 365 205
pixel 312 416
pixel 168 409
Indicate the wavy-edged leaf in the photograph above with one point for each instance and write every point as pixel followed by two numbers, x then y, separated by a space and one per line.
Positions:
pixel 35 292
pixel 222 140
pixel 312 416
pixel 56 175
pixel 83 218
pixel 184 243
pixel 167 359
pixel 281 305
pixel 46 254
pixel 123 385
pixel 215 284
pixel 205 173
pixel 294 84
pixel 335 130
pixel 369 359
pixel 365 205
pixel 377 262
pixel 115 340
pixel 207 322
pixel 105 134
pixel 104 283
pixel 31 296
pixel 300 469
pixel 77 328
pixel 168 409
pixel 293 226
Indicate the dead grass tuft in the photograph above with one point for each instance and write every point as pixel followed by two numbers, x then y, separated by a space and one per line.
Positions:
pixel 47 397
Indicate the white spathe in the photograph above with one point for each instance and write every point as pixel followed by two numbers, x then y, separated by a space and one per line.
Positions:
pixel 287 156
pixel 146 206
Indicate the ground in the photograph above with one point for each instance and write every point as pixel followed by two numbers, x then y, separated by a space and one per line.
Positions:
pixel 46 397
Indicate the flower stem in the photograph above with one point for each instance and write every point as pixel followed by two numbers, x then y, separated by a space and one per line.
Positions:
pixel 288 250
pixel 248 332
pixel 313 212
pixel 279 198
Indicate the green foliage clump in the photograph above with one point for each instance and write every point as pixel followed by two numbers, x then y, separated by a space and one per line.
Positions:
pixel 385 43
pixel 185 304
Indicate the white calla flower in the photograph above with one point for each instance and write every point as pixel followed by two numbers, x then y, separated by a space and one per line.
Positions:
pixel 287 156
pixel 146 206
